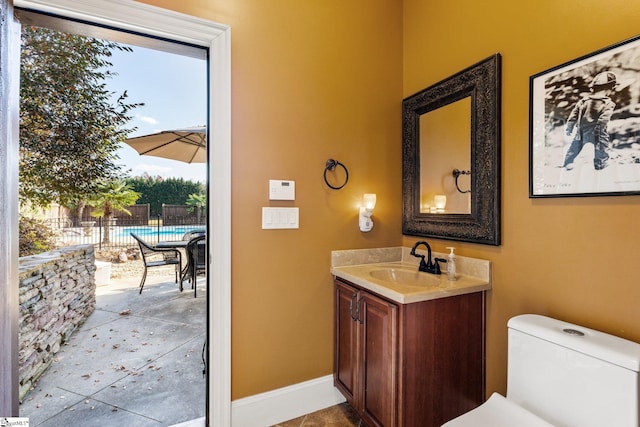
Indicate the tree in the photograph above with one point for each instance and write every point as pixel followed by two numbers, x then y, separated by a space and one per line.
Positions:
pixel 196 202
pixel 157 191
pixel 113 196
pixel 35 236
pixel 69 129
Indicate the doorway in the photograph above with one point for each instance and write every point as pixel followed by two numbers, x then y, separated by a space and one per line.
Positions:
pixel 136 19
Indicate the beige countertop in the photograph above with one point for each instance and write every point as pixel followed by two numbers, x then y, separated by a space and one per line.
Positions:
pixel 393 273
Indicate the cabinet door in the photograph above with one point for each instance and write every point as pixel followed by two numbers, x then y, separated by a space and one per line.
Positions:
pixel 379 360
pixel 346 341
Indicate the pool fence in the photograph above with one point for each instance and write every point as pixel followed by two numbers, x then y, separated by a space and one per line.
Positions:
pixel 118 233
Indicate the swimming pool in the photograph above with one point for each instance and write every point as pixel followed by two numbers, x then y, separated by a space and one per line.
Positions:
pixel 164 233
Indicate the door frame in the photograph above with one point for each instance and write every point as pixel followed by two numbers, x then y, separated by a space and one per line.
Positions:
pixel 140 18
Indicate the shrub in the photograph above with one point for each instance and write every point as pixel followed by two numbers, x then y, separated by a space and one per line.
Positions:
pixel 34 236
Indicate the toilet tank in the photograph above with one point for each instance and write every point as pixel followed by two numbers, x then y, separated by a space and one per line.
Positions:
pixel 572 376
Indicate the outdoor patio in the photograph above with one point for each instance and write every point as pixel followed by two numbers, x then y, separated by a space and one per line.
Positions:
pixel 136 361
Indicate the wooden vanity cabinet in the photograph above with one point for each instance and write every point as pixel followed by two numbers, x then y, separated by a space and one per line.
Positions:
pixel 418 364
pixel 367 353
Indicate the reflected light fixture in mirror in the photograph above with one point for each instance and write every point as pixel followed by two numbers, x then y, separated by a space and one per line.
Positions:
pixel 366 210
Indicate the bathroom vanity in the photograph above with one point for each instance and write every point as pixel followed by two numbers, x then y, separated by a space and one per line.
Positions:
pixel 409 346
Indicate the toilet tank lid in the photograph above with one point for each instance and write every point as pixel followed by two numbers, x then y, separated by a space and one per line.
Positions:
pixel 600 345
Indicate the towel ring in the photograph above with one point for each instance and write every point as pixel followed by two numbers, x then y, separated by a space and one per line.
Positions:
pixel 331 165
pixel 456 174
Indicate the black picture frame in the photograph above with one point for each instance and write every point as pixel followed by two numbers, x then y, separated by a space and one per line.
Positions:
pixel 584 125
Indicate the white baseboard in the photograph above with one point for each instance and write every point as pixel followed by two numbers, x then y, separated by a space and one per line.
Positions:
pixel 283 404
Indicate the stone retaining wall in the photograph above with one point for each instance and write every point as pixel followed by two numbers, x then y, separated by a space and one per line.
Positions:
pixel 57 294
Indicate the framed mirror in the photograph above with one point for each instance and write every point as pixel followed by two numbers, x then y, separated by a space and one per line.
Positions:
pixel 451 157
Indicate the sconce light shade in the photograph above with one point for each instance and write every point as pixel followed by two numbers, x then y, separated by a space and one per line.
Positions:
pixel 369 201
pixel 366 210
pixel 440 201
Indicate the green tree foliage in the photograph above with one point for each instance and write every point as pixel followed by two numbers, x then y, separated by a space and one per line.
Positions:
pixel 171 191
pixel 113 196
pixel 35 236
pixel 69 129
pixel 197 203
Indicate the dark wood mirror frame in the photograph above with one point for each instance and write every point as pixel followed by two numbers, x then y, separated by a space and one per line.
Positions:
pixel 482 82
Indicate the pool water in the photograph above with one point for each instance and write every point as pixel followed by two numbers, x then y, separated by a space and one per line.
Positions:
pixel 165 232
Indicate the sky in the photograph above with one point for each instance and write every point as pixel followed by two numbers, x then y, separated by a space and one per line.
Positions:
pixel 173 89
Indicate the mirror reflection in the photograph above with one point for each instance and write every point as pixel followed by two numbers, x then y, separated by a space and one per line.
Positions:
pixel 451 157
pixel 444 148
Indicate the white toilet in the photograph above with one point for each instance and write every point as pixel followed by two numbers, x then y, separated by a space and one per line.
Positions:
pixel 563 375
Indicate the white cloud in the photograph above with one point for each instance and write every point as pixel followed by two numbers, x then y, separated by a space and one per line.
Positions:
pixel 147 119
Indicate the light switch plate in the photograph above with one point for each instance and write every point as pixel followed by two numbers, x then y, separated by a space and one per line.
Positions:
pixel 282 190
pixel 280 218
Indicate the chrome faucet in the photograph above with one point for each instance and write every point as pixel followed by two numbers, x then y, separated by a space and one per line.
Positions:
pixel 427 266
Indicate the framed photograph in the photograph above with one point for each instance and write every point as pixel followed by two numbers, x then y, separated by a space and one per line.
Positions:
pixel 584 125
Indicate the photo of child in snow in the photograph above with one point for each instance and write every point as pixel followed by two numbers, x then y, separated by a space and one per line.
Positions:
pixel 589 143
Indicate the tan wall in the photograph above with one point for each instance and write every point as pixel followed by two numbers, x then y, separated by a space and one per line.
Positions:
pixel 313 80
pixel 572 258
pixel 310 81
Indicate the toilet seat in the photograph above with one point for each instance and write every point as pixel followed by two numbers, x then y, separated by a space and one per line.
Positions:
pixel 498 412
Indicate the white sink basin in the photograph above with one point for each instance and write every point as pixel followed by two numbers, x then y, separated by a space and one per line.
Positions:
pixel 405 276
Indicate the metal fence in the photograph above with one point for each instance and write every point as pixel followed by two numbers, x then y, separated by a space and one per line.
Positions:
pixel 118 232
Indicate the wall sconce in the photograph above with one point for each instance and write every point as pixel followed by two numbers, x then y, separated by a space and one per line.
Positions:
pixel 440 200
pixel 365 221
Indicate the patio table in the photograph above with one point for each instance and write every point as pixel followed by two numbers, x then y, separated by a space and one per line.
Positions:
pixel 172 244
pixel 180 244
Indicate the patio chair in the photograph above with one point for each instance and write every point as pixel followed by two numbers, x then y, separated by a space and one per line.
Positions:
pixel 196 261
pixel 193 233
pixel 157 257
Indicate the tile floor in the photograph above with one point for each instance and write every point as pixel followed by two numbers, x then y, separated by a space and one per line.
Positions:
pixel 341 415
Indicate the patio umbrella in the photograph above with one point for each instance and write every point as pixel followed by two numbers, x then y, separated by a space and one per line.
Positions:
pixel 187 145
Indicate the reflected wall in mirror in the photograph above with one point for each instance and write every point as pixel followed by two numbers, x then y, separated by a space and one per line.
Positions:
pixel 444 148
pixel 454 125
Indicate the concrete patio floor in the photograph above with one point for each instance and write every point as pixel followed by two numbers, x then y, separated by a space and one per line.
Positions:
pixel 136 361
